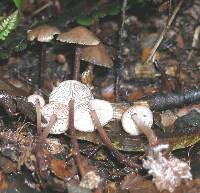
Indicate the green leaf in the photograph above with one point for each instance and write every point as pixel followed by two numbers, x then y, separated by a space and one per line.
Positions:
pixel 18 3
pixel 8 24
pixel 85 20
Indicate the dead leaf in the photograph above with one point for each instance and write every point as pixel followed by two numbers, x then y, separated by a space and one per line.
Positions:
pixel 180 41
pixel 3 181
pixel 146 52
pixel 58 167
pixel 137 184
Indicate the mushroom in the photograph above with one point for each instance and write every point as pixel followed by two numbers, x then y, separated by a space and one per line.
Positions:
pixel 84 101
pixel 71 89
pixel 32 99
pixel 61 112
pixel 42 33
pixel 142 113
pixel 82 119
pixel 80 36
pixel 139 119
pixel 96 55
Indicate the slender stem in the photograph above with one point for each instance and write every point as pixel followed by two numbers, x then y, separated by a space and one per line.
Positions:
pixel 42 65
pixel 76 73
pixel 121 158
pixel 46 131
pixel 74 139
pixel 42 8
pixel 38 116
pixel 163 33
pixel 151 136
pixel 118 69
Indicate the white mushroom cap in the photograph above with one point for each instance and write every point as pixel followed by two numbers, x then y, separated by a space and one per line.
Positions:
pixel 62 113
pixel 82 118
pixel 70 89
pixel 32 98
pixel 142 113
pixel 103 110
pixel 83 121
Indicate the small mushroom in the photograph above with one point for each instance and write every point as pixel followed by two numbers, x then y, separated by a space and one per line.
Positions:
pixel 42 33
pixel 81 36
pixel 96 55
pixel 61 112
pixel 32 99
pixel 71 89
pixel 103 110
pixel 140 113
pixel 82 119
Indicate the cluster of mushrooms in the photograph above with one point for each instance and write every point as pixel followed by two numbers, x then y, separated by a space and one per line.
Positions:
pixel 91 50
pixel 84 103
pixel 72 105
pixel 88 49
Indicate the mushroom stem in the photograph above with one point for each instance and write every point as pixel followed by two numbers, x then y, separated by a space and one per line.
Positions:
pixel 38 116
pixel 87 76
pixel 46 131
pixel 76 73
pixel 121 158
pixel 151 136
pixel 74 139
pixel 42 66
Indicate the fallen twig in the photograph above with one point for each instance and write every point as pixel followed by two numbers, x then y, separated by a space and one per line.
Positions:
pixel 162 35
pixel 161 102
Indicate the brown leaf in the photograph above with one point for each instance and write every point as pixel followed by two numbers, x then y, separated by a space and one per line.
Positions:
pixel 192 186
pixel 146 52
pixel 3 181
pixel 7 165
pixel 58 167
pixel 180 41
pixel 137 184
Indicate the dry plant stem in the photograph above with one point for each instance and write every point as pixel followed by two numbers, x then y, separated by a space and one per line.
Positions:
pixel 194 42
pixel 76 73
pixel 121 158
pixel 169 2
pixel 38 116
pixel 120 46
pixel 42 65
pixel 42 8
pixel 74 139
pixel 162 35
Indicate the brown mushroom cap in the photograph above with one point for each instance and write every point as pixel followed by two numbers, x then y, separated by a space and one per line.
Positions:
pixel 79 35
pixel 43 33
pixel 97 55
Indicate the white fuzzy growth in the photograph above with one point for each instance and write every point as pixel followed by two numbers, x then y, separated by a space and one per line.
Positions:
pixel 32 99
pixel 142 113
pixel 90 180
pixel 70 89
pixel 167 173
